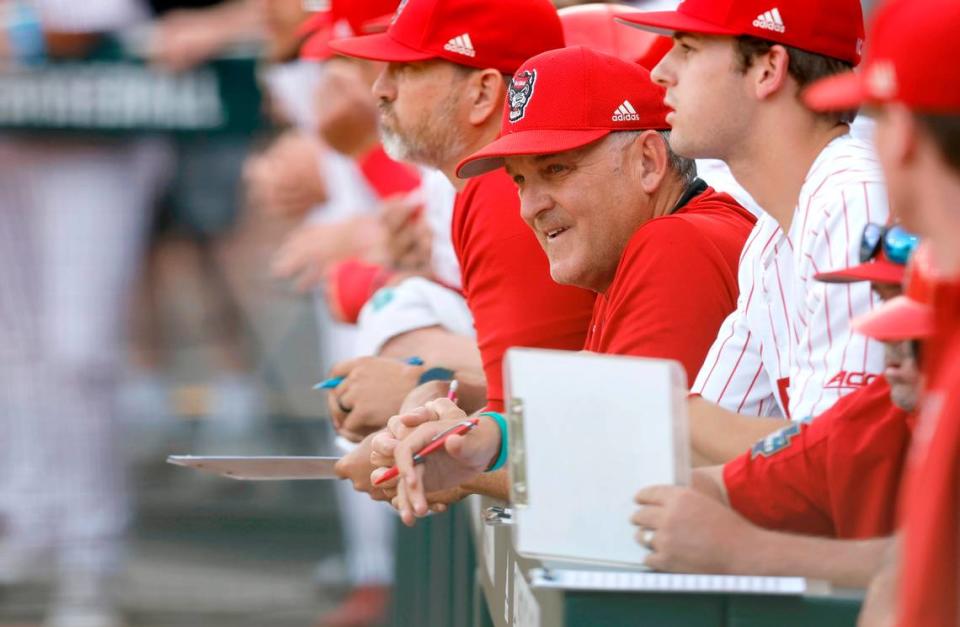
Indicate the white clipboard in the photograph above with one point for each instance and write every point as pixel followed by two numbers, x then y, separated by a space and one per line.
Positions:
pixel 588 431
pixel 260 468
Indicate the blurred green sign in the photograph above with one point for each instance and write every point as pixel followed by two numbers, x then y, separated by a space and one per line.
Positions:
pixel 126 95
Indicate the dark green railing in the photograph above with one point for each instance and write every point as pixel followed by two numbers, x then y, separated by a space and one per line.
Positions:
pixel 443 580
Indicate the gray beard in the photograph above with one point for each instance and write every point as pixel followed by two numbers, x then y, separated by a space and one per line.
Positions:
pixel 434 145
pixel 397 149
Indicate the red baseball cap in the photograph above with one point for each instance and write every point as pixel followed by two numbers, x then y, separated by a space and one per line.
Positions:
pixel 877 270
pixel 595 26
pixel 499 34
pixel 832 28
pixel 317 32
pixel 566 99
pixel 910 59
pixel 359 13
pixel 344 18
pixel 908 316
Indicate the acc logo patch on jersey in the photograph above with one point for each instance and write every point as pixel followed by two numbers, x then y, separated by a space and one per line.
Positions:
pixel 775 442
pixel 519 94
pixel 850 380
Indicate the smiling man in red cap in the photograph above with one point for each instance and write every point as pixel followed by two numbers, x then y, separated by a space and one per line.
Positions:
pixel 733 80
pixel 440 99
pixel 918 140
pixel 583 137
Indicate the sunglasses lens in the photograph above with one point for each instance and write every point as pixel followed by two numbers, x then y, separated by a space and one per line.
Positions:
pixel 899 244
pixel 870 243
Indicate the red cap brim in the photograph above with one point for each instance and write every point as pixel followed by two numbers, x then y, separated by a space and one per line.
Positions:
pixel 876 271
pixel 532 142
pixel 379 47
pixel 898 319
pixel 670 22
pixel 837 93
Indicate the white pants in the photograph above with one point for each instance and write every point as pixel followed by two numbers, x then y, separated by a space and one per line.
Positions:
pixel 72 219
pixel 368 526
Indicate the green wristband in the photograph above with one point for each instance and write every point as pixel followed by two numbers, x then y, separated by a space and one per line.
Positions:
pixel 504 439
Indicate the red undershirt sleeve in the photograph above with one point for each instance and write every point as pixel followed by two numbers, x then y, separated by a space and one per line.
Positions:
pixel 670 302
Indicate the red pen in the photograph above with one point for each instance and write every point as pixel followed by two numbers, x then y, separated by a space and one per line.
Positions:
pixel 436 442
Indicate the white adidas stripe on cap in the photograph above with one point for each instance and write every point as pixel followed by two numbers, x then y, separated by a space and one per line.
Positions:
pixel 461 44
pixel 625 112
pixel 770 20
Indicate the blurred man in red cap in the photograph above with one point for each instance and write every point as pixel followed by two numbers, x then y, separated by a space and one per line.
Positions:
pixel 733 79
pixel 918 140
pixel 440 97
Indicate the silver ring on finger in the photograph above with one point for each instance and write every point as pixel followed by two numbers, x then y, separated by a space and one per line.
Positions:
pixel 646 538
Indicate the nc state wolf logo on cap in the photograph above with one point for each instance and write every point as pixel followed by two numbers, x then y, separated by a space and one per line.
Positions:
pixel 520 92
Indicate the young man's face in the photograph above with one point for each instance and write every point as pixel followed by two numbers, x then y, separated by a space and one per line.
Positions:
pixel 901 368
pixel 709 95
pixel 583 207
pixel 420 113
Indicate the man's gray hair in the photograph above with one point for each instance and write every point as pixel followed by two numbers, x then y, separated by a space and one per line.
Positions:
pixel 685 168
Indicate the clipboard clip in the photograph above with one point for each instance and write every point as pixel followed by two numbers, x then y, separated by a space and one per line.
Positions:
pixel 519 496
pixel 497 516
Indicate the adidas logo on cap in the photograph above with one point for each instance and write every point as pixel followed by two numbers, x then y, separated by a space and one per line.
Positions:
pixel 461 44
pixel 770 20
pixel 882 79
pixel 625 113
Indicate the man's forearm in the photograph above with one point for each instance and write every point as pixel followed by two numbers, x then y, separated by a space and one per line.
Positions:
pixel 845 563
pixel 709 481
pixel 718 435
pixel 496 485
pixel 880 604
pixel 436 346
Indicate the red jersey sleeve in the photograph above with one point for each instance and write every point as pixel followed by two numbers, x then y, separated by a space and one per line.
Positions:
pixel 386 176
pixel 836 476
pixel 930 501
pixel 674 286
pixel 506 280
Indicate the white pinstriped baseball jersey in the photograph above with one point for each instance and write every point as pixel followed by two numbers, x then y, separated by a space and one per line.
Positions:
pixel 788 349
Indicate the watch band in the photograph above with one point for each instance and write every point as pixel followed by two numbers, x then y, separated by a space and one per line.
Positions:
pixel 436 374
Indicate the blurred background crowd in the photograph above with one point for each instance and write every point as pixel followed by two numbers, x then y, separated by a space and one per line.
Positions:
pixel 162 261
